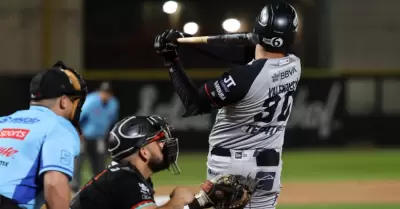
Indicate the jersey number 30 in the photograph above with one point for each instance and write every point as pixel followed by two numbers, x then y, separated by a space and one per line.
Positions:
pixel 271 105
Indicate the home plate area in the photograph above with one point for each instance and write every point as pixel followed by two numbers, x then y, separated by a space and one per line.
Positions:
pixel 322 192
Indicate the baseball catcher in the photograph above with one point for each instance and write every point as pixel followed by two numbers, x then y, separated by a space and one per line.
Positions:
pixel 254 102
pixel 141 146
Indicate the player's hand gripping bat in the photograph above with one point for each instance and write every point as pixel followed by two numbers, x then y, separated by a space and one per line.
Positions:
pixel 229 39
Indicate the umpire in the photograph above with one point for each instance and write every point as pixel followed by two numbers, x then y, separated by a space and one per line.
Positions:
pixel 38 145
pixel 99 113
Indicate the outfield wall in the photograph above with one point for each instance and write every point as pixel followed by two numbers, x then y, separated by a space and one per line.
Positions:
pixel 329 110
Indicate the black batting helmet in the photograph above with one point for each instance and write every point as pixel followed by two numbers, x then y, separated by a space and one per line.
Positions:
pixel 276 26
pixel 134 132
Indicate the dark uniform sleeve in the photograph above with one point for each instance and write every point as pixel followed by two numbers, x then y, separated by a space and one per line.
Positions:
pixel 133 195
pixel 229 88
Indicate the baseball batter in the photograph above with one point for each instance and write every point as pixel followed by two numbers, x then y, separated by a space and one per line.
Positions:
pixel 254 102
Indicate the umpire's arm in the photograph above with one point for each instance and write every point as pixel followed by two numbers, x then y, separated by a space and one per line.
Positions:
pixel 230 88
pixel 56 166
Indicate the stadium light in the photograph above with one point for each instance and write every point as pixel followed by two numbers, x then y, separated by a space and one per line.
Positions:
pixel 170 7
pixel 231 25
pixel 191 28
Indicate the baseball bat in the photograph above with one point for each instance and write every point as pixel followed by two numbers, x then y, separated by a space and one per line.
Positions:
pixel 229 39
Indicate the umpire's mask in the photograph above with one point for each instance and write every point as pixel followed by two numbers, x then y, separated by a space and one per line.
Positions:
pixel 77 94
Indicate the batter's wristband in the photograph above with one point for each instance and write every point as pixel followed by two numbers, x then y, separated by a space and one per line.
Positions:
pixel 195 205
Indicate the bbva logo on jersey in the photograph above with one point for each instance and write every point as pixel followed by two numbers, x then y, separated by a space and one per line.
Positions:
pixel 284 74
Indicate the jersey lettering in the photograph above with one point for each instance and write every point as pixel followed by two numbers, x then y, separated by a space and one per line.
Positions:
pixel 225 90
pixel 14 133
pixel 229 81
pixel 7 151
pixel 287 73
pixel 267 130
pixel 220 93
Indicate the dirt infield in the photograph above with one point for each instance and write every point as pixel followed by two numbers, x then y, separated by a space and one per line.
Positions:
pixel 337 192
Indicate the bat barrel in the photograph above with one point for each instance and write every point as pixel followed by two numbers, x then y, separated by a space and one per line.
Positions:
pixel 232 39
pixel 225 39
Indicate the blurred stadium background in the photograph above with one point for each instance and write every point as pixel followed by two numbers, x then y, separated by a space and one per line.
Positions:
pixel 342 143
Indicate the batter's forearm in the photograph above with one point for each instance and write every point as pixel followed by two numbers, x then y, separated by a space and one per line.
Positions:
pixel 184 87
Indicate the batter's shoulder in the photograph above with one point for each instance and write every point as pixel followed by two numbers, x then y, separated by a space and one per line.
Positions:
pixel 253 65
pixel 246 74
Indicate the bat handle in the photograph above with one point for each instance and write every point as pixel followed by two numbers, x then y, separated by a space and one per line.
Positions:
pixel 193 40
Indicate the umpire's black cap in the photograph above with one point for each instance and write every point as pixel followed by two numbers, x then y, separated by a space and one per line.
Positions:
pixel 56 82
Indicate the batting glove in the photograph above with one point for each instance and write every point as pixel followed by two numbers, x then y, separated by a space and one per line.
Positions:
pixel 166 45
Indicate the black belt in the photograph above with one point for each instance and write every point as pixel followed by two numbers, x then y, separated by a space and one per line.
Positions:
pixel 7 203
pixel 264 157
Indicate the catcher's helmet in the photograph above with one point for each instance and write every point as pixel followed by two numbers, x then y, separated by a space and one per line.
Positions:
pixel 276 26
pixel 134 132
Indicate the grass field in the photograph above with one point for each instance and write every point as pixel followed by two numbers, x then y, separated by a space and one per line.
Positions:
pixel 317 179
pixel 306 165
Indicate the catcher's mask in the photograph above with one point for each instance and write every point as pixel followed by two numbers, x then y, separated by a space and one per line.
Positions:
pixel 135 132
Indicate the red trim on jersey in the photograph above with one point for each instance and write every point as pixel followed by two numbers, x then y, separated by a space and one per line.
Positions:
pixel 142 203
pixel 95 178
pixel 208 94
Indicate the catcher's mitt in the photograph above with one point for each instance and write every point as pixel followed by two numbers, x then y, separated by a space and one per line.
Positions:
pixel 227 192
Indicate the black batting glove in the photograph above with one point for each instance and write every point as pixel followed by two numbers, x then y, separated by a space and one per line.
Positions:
pixel 166 45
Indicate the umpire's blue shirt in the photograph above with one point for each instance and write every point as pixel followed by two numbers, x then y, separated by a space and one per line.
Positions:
pixel 97 117
pixel 32 142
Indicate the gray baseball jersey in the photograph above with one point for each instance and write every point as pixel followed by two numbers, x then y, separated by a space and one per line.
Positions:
pixel 254 103
pixel 263 94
